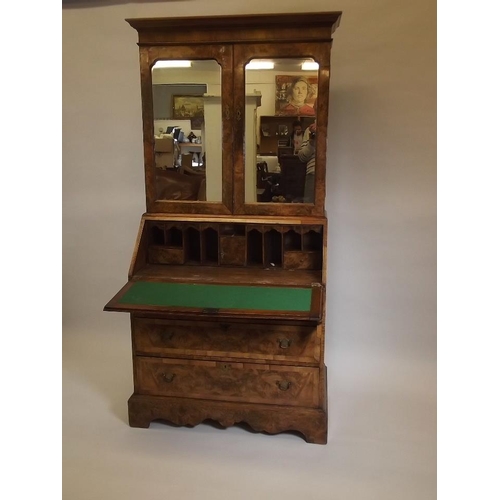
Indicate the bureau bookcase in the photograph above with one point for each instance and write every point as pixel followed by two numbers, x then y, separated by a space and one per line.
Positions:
pixel 226 294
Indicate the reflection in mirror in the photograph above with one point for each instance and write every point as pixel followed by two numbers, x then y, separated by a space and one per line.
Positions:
pixel 281 168
pixel 187 130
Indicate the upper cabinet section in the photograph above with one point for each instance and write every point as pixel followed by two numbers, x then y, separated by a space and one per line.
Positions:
pixel 235 113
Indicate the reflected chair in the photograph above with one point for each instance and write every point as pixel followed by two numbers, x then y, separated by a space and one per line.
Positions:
pixel 166 151
pixel 293 177
pixel 268 184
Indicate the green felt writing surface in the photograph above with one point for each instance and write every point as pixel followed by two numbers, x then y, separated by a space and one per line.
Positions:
pixel 218 296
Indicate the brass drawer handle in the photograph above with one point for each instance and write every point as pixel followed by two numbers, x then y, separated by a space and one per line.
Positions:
pixel 284 343
pixel 168 377
pixel 283 385
pixel 226 367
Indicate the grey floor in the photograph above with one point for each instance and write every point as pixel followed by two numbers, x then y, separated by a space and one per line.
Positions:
pixel 381 436
pixel 381 288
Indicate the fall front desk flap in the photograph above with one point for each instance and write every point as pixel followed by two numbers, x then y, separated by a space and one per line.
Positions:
pixel 294 303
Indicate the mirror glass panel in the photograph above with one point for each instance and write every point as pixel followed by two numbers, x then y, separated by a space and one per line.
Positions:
pixel 280 130
pixel 187 130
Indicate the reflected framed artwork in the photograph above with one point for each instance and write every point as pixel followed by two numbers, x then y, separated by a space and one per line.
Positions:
pixel 295 95
pixel 187 106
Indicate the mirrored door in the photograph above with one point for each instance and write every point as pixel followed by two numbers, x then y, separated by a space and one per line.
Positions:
pixel 284 139
pixel 187 108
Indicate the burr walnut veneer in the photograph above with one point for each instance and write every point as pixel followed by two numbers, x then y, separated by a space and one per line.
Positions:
pixel 227 298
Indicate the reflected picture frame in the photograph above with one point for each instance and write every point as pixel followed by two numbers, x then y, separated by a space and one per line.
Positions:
pixel 187 107
pixel 283 85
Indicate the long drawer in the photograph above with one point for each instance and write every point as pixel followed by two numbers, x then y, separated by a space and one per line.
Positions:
pixel 178 338
pixel 227 381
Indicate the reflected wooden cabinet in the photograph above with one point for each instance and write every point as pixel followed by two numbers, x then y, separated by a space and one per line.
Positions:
pixel 275 132
pixel 226 293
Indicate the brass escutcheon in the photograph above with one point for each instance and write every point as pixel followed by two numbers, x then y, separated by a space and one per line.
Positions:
pixel 166 336
pixel 210 310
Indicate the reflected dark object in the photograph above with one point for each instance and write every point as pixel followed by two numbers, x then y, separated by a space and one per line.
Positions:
pixel 268 184
pixel 293 174
pixel 176 185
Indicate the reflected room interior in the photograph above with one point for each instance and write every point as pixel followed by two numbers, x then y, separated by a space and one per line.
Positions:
pixel 187 129
pixel 280 105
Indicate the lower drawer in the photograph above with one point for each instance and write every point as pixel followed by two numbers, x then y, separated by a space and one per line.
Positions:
pixel 178 338
pixel 227 381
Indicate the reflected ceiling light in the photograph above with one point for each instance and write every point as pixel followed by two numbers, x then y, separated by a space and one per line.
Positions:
pixel 310 65
pixel 172 64
pixel 260 65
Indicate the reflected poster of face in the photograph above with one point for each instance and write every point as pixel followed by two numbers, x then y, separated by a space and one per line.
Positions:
pixel 295 95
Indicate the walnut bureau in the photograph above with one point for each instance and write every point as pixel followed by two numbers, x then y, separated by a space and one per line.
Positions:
pixel 226 294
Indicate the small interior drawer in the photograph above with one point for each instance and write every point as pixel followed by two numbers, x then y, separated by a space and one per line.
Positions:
pixel 166 255
pixel 302 260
